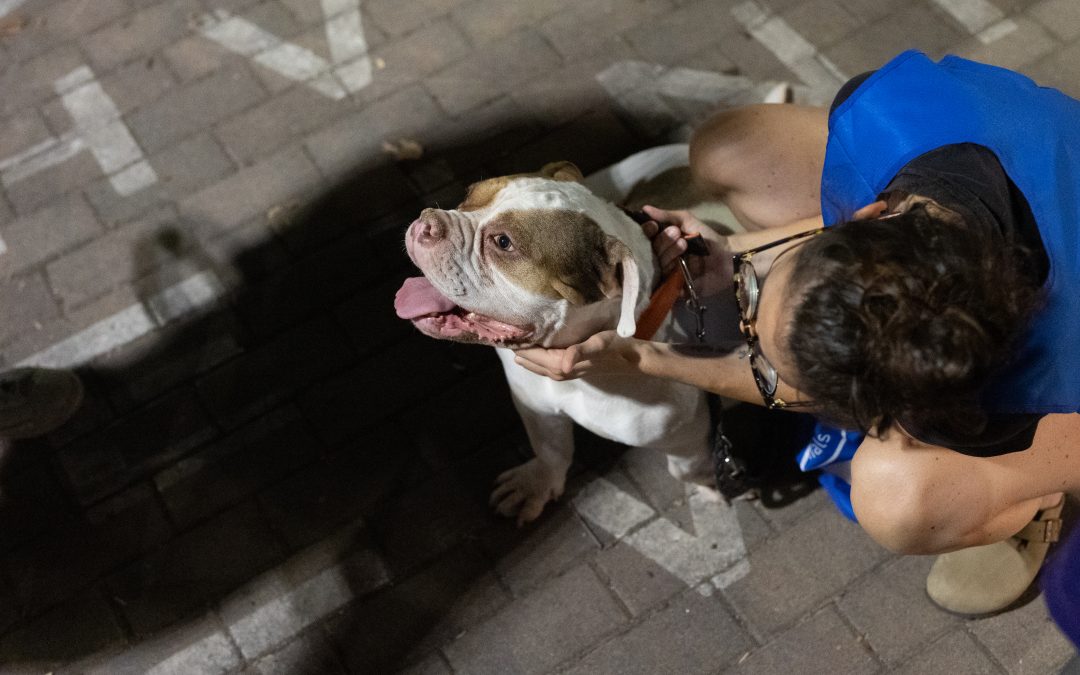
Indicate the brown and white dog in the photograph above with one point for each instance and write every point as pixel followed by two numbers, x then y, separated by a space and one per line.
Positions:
pixel 538 259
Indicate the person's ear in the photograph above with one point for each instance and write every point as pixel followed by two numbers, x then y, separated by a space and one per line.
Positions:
pixel 870 211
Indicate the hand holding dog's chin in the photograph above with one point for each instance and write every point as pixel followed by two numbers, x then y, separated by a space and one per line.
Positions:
pixel 603 353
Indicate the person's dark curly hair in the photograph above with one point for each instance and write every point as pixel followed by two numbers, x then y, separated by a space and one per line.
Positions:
pixel 906 319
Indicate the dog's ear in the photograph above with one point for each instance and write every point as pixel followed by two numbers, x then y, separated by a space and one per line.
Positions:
pixel 623 279
pixel 562 171
pixel 612 273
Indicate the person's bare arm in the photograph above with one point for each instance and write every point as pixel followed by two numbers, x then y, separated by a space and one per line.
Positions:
pixel 724 373
pixel 742 241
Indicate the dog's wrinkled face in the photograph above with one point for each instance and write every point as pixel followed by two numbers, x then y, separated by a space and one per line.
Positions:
pixel 514 262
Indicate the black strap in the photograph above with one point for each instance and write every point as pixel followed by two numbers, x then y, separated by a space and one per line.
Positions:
pixel 730 471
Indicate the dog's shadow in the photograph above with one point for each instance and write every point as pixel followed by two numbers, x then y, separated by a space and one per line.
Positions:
pixel 292 426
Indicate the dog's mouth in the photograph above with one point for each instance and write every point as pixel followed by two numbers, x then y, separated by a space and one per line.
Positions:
pixel 436 315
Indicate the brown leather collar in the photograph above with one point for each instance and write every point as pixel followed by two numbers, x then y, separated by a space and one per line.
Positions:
pixel 660 304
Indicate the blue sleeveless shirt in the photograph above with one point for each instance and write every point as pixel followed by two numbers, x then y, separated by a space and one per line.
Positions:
pixel 913 105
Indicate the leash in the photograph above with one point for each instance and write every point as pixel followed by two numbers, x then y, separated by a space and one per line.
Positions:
pixel 664 297
pixel 730 473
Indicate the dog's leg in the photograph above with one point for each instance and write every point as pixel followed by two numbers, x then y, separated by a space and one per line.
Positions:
pixel 689 456
pixel 524 490
pixel 697 470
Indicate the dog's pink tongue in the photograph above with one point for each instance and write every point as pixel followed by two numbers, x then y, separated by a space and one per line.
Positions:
pixel 417 298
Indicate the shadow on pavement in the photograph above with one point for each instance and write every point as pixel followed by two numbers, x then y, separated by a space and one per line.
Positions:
pixel 298 419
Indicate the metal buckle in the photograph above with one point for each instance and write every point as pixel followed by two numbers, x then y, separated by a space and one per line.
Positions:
pixel 1051 530
pixel 693 302
pixel 1041 531
pixel 728 471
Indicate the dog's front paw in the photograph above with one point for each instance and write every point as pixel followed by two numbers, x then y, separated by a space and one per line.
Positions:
pixel 524 490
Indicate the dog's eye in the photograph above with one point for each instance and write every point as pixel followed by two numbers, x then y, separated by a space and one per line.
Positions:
pixel 503 242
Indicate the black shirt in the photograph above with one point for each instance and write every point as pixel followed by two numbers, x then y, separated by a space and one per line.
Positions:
pixel 968 178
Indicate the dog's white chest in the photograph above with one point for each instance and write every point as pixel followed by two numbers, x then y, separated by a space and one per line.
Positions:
pixel 636 411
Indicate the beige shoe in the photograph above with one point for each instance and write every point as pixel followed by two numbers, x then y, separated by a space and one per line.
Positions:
pixel 34 401
pixel 983 580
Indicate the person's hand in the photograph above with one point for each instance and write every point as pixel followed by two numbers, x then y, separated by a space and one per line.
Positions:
pixel 604 352
pixel 668 230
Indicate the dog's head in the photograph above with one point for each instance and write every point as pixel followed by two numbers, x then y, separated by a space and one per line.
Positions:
pixel 529 259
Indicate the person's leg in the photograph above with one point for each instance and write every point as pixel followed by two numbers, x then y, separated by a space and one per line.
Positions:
pixel 916 498
pixel 993 519
pixel 763 161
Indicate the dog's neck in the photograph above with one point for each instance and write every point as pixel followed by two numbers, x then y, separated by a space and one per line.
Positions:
pixel 578 323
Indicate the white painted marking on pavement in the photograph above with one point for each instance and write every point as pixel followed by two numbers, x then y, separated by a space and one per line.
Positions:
pixel 79 76
pixel 265 613
pixel 980 17
pixel 289 613
pixel 712 551
pixel 348 46
pixel 213 651
pixel 789 47
pixel 997 31
pixel 192 294
pixel 974 15
pixel 273 608
pixel 9 6
pixel 611 508
pixel 134 178
pixel 40 157
pixel 349 69
pixel 632 85
pixel 732 574
pixel 97 122
pixel 292 61
pixel 105 335
pixel 640 90
pixel 699 85
pixel 98 128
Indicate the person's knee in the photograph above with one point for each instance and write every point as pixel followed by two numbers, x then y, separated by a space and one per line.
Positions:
pixel 896 507
pixel 717 148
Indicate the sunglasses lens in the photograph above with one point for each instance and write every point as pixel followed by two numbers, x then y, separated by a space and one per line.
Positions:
pixel 747 291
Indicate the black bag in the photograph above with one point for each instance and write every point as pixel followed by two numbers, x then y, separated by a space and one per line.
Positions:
pixel 754 453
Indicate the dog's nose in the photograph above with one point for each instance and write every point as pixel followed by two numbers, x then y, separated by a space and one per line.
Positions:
pixel 430 226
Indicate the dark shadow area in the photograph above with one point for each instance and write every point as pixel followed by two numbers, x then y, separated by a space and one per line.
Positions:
pixel 765 443
pixel 297 409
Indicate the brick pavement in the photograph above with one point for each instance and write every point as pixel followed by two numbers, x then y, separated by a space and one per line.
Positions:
pixel 273 474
